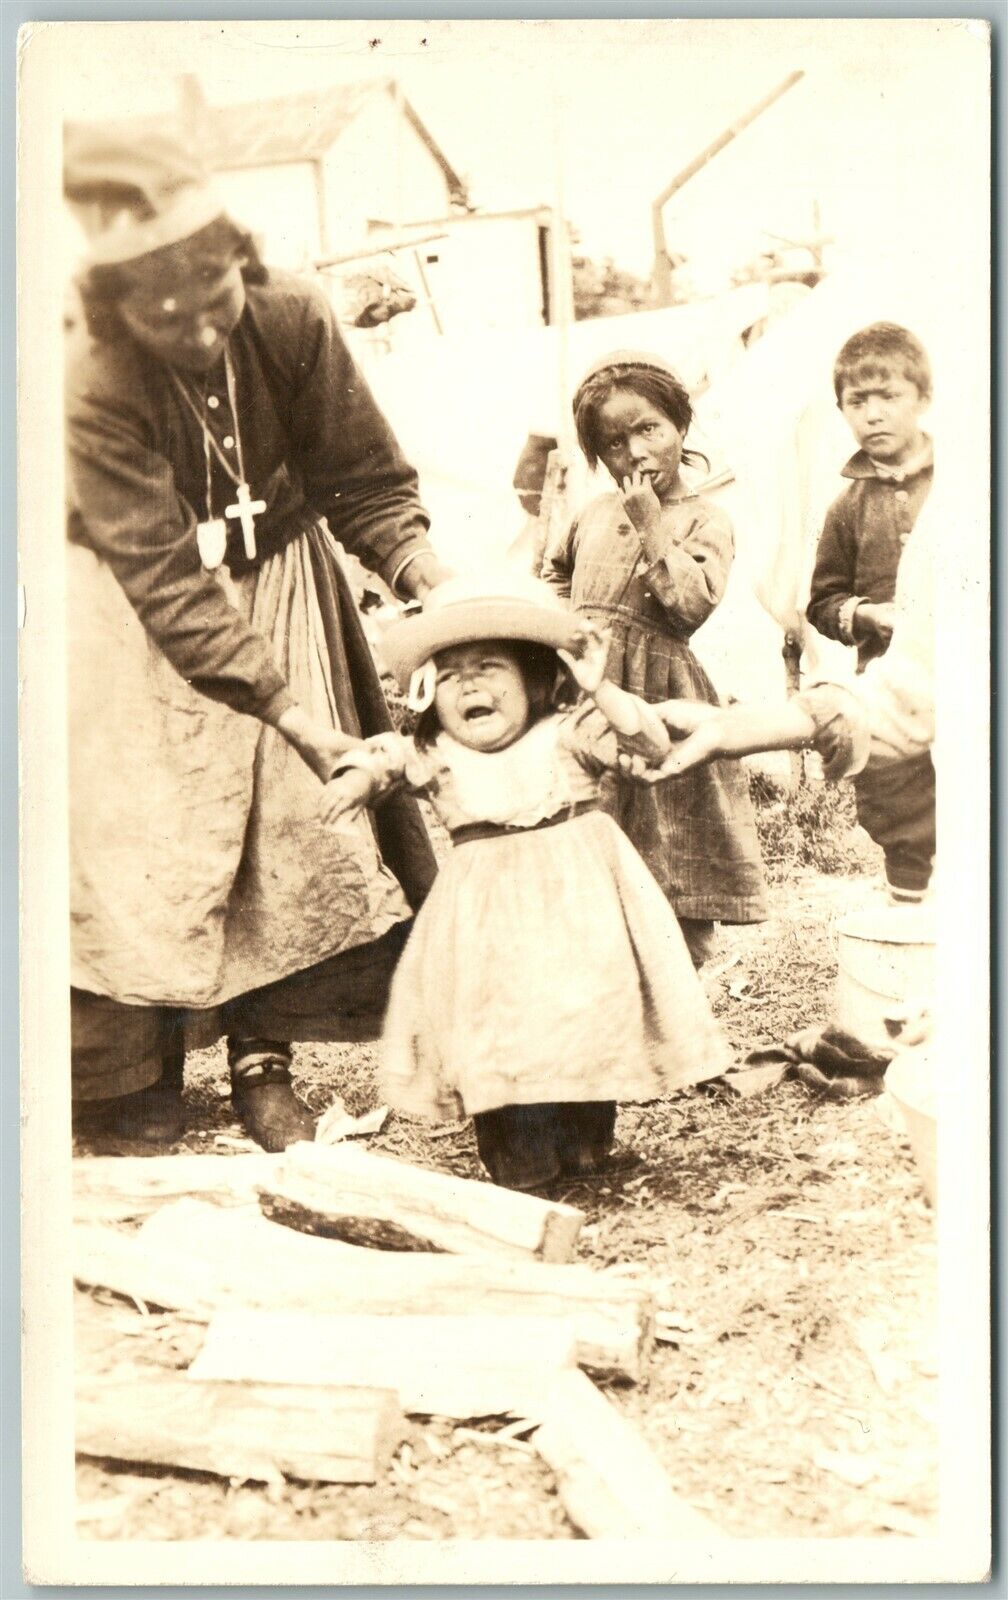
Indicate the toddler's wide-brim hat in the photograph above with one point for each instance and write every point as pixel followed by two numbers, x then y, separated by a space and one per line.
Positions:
pixel 623 362
pixel 462 610
pixel 134 194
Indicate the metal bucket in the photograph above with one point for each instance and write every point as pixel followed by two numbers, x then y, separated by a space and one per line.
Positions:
pixel 886 961
pixel 910 1081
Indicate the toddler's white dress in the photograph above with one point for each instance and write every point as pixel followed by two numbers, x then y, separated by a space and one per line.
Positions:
pixel 545 964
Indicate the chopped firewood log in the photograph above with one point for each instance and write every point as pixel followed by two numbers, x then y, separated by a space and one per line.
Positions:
pixel 611 1483
pixel 240 1430
pixel 116 1188
pixel 454 1366
pixel 368 1199
pixel 201 1258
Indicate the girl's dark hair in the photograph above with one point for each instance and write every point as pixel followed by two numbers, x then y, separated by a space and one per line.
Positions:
pixel 548 684
pixel 102 287
pixel 660 389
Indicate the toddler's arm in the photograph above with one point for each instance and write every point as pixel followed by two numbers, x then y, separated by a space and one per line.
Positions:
pixel 637 724
pixel 363 776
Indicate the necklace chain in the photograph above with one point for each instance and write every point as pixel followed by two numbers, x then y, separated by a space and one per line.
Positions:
pixel 209 442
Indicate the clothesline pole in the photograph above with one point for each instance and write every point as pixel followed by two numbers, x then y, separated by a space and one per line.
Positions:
pixel 561 283
pixel 560 308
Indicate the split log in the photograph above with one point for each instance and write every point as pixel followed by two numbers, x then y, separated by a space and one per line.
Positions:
pixel 201 1258
pixel 116 1188
pixel 368 1199
pixel 611 1483
pixel 460 1366
pixel 240 1430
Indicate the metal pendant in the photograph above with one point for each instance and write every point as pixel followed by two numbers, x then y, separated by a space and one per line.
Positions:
pixel 211 541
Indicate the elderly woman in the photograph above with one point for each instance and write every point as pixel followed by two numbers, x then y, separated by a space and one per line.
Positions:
pixel 220 440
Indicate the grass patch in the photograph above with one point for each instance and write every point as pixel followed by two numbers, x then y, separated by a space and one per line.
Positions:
pixel 813 826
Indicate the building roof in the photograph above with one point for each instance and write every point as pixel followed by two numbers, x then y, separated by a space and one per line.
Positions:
pixel 294 127
pixel 303 127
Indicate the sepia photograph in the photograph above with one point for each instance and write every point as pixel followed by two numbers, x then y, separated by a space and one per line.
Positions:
pixel 504 530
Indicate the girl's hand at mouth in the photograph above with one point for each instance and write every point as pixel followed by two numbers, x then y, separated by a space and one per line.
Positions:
pixel 641 503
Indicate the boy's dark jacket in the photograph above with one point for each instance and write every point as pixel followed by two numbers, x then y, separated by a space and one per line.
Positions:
pixel 860 546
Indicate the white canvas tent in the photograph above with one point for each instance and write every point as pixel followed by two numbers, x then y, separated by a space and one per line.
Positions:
pixel 464 410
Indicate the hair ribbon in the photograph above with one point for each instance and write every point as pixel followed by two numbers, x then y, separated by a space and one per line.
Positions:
pixel 421 687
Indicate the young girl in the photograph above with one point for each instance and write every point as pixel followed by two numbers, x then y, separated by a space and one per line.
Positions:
pixel 650 562
pixel 545 976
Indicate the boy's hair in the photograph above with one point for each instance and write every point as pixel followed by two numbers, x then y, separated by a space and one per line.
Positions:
pixel 660 389
pixel 102 287
pixel 880 348
pixel 548 684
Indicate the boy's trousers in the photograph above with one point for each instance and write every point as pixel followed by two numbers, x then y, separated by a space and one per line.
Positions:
pixel 896 807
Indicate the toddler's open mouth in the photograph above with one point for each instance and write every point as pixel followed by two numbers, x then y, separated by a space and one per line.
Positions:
pixel 473 712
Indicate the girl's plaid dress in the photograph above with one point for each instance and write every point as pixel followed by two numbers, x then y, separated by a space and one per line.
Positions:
pixel 697 832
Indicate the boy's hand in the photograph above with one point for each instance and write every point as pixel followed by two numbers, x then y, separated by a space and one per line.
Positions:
pixel 587 657
pixel 345 795
pixel 640 503
pixel 872 617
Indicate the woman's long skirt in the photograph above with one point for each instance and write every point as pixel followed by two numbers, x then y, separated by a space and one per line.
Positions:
pixel 206 896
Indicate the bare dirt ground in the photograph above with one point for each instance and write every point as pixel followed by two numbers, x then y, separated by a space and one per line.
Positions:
pixel 794 1392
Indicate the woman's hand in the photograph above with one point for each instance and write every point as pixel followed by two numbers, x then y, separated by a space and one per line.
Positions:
pixel 423 574
pixel 345 795
pixel 641 504
pixel 318 745
pixel 586 659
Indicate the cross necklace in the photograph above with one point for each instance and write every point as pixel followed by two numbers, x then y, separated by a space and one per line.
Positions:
pixel 211 535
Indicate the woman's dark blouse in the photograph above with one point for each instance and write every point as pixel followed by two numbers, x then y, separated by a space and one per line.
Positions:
pixel 314 443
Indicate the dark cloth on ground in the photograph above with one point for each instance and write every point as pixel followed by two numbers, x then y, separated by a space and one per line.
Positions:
pixel 829 1059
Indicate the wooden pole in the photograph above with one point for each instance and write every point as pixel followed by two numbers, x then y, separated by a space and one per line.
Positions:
pixel 791 653
pixel 381 247
pixel 662 265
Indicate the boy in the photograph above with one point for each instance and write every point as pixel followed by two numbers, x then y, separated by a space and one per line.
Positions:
pixel 884 720
pixel 882 380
